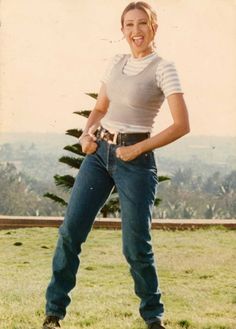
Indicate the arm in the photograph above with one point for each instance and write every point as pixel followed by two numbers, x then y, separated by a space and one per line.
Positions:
pixel 87 139
pixel 179 128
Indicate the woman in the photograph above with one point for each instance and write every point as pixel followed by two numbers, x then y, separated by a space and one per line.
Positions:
pixel 120 153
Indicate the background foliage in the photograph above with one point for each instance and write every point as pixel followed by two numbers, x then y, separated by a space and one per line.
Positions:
pixel 202 171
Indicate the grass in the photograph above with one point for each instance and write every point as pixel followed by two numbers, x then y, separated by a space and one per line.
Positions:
pixel 196 270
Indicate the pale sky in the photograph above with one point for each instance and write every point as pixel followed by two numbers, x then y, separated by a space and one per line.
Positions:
pixel 54 51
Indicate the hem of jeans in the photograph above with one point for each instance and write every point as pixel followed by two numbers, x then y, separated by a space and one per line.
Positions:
pixel 153 320
pixel 59 316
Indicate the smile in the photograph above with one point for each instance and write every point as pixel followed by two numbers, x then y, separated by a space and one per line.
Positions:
pixel 138 40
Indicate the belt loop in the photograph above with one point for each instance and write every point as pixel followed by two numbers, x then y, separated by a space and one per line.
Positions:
pixel 115 138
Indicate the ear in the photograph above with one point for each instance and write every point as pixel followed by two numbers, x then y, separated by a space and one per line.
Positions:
pixel 154 28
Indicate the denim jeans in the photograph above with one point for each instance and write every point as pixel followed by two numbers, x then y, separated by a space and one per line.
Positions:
pixel 136 182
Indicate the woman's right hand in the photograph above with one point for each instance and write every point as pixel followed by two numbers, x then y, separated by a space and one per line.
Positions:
pixel 88 144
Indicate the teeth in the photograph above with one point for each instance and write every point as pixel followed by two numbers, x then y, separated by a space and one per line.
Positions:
pixel 138 40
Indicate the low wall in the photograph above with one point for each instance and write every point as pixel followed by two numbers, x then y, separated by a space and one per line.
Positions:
pixel 13 222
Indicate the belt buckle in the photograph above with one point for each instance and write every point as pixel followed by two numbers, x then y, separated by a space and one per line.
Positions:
pixel 114 138
pixel 109 137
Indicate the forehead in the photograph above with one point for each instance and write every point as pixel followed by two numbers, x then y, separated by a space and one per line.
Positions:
pixel 135 14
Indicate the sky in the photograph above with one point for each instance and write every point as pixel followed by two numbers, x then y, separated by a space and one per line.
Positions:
pixel 55 51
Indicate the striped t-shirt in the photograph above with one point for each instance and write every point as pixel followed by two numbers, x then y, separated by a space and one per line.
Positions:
pixel 166 78
pixel 166 74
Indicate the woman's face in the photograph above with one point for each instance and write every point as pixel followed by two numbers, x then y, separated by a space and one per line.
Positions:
pixel 138 32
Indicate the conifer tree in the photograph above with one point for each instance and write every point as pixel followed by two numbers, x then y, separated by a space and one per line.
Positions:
pixel 66 182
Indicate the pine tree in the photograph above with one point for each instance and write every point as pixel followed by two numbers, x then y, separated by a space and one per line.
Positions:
pixel 66 182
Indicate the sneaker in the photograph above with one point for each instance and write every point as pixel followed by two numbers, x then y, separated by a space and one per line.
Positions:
pixel 51 322
pixel 156 325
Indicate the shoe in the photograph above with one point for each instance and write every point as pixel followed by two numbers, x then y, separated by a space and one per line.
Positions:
pixel 156 325
pixel 51 322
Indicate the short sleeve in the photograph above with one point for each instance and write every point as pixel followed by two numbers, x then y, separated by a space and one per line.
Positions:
pixel 110 66
pixel 168 78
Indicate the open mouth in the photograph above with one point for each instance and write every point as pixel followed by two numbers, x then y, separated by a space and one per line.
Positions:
pixel 138 40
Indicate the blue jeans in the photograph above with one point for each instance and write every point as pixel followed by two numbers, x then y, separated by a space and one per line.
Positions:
pixel 136 183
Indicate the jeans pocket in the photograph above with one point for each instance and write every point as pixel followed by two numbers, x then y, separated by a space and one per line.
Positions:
pixel 145 160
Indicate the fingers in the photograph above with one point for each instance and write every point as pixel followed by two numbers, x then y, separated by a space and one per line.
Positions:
pixel 119 154
pixel 89 147
pixel 126 153
pixel 93 137
pixel 87 138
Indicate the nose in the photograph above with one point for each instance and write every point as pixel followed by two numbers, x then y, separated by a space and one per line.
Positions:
pixel 136 28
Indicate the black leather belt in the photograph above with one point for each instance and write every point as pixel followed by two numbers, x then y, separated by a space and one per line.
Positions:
pixel 120 138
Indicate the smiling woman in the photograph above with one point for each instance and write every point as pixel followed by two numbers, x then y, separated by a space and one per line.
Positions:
pixel 119 153
pixel 139 25
pixel 40 55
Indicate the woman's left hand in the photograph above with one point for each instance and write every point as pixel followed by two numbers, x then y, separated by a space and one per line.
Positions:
pixel 127 153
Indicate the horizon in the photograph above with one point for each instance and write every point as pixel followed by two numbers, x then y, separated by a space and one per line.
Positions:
pixel 2 133
pixel 49 62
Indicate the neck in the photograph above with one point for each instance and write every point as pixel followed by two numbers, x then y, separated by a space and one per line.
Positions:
pixel 140 54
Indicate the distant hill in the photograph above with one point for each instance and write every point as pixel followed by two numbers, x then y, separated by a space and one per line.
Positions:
pixel 203 154
pixel 45 142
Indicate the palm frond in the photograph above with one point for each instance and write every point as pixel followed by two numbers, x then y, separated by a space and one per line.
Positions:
pixel 75 148
pixel 83 113
pixel 66 181
pixel 163 178
pixel 74 132
pixel 55 198
pixel 72 161
pixel 157 202
pixel 93 95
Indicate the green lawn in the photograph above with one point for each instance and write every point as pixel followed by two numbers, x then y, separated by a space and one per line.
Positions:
pixel 197 271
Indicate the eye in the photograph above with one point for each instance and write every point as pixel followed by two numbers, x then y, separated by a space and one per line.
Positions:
pixel 129 24
pixel 143 23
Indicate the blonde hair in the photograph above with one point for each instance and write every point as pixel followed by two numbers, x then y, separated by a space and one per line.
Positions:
pixel 144 7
